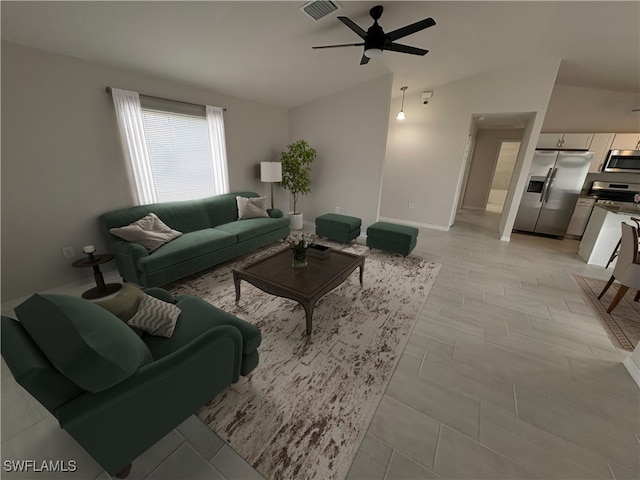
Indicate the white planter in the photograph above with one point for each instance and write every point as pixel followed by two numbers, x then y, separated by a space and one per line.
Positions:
pixel 296 221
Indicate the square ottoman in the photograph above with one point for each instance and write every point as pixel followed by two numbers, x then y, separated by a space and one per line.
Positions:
pixel 334 226
pixel 392 238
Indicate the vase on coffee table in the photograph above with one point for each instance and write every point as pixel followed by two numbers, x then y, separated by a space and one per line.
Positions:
pixel 299 258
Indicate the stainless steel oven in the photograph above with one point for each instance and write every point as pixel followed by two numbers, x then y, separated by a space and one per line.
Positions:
pixel 614 192
pixel 623 161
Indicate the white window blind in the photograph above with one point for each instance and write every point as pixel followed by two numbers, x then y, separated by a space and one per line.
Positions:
pixel 174 150
pixel 179 154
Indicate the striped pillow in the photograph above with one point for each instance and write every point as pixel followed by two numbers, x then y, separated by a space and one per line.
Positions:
pixel 155 317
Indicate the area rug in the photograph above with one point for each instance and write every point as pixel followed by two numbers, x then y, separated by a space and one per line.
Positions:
pixel 623 323
pixel 303 412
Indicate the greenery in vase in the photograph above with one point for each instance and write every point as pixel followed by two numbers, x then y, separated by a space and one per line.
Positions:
pixel 296 169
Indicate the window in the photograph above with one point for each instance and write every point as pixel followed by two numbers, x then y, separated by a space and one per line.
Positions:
pixel 175 151
pixel 179 154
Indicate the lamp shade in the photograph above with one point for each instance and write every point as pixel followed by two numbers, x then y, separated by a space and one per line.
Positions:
pixel 270 171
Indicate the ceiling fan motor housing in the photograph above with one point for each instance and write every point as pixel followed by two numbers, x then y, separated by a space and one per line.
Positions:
pixel 375 38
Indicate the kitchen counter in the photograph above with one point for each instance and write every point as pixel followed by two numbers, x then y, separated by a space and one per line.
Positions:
pixel 631 211
pixel 603 232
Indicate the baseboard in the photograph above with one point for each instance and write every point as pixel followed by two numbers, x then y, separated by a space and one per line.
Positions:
pixel 414 224
pixel 633 369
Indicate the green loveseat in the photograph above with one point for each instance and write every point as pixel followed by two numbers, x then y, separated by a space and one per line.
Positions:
pixel 115 393
pixel 212 234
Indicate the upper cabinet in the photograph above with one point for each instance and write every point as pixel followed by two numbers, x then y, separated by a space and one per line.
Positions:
pixel 600 146
pixel 626 141
pixel 565 141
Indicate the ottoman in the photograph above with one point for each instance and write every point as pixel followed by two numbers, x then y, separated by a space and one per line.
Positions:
pixel 342 228
pixel 392 238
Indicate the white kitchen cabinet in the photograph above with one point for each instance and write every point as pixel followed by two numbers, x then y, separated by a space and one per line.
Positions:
pixel 549 140
pixel 626 141
pixel 565 141
pixel 600 146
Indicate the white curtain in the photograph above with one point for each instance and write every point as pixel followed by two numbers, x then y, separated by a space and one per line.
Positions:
pixel 215 120
pixel 129 114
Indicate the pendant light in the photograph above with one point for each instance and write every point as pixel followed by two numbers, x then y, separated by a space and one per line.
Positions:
pixel 400 115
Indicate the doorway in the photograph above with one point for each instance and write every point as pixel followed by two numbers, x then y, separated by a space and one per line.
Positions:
pixel 507 155
pixel 495 140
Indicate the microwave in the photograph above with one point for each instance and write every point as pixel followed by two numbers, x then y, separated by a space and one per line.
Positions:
pixel 622 161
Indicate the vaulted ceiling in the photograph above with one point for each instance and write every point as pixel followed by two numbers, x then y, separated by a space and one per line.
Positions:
pixel 262 50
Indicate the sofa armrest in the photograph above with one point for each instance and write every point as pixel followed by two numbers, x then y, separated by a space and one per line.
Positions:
pixel 275 212
pixel 160 294
pixel 117 425
pixel 127 256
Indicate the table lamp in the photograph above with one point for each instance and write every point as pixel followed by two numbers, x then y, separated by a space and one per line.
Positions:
pixel 271 172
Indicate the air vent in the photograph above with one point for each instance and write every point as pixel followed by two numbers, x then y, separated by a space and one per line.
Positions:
pixel 319 8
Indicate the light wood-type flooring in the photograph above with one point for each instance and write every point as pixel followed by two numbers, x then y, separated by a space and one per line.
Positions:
pixel 507 375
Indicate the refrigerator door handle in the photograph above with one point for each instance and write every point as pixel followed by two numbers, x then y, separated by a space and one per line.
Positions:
pixel 548 189
pixel 546 185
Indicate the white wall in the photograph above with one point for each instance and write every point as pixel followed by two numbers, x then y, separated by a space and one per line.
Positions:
pixel 62 164
pixel 424 161
pixel 349 132
pixel 578 109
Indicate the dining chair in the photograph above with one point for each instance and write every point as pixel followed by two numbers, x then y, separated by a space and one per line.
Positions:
pixel 614 254
pixel 627 268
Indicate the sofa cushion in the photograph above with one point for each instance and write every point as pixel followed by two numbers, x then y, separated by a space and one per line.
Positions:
pixel 89 345
pixel 155 317
pixel 253 227
pixel 149 231
pixel 185 216
pixel 197 317
pixel 223 209
pixel 255 207
pixel 188 246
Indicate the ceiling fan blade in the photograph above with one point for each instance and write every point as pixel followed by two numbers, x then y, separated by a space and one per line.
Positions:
pixel 364 60
pixel 341 45
pixel 409 29
pixel 398 47
pixel 353 26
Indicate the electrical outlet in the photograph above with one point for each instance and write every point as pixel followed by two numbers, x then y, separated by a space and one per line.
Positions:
pixel 411 205
pixel 337 209
pixel 67 252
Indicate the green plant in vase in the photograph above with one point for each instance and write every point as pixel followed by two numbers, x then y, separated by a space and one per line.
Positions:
pixel 296 175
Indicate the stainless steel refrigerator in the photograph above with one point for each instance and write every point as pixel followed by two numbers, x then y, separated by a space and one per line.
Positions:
pixel 554 184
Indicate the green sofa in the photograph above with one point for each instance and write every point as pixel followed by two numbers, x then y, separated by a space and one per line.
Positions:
pixel 212 234
pixel 114 392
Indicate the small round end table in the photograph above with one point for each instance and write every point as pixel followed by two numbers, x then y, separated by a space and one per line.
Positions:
pixel 101 289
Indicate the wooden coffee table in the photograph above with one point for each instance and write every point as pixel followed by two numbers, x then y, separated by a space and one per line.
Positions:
pixel 306 285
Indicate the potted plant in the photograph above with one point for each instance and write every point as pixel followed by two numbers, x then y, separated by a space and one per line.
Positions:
pixel 296 175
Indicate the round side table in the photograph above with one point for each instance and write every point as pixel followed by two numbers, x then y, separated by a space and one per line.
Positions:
pixel 101 289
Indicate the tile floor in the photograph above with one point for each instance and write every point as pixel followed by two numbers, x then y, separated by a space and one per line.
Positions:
pixel 506 375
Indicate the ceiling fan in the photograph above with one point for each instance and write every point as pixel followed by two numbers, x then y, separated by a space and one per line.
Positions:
pixel 375 40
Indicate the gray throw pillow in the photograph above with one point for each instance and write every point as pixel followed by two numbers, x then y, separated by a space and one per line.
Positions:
pixel 255 207
pixel 149 231
pixel 155 317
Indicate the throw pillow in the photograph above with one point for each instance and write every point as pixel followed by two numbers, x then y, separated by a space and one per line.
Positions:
pixel 149 231
pixel 155 317
pixel 255 207
pixel 83 341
